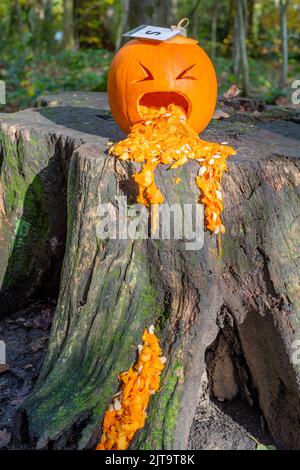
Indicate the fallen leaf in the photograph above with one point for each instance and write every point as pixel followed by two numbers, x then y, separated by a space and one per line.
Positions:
pixel 53 104
pixel 282 101
pixel 38 343
pixel 4 368
pixel 263 447
pixel 17 401
pixel 232 92
pixel 219 114
pixel 42 322
pixel 5 438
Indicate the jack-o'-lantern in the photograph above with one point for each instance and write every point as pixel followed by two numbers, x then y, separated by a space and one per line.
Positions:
pixel 156 74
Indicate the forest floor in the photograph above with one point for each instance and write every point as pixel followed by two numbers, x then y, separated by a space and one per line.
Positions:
pixel 26 335
pixel 233 425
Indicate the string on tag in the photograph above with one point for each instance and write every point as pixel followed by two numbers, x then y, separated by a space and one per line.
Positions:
pixel 181 26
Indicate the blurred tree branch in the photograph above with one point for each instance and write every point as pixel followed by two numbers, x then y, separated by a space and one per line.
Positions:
pixel 157 12
pixel 283 7
pixel 241 66
pixel 214 28
pixel 69 41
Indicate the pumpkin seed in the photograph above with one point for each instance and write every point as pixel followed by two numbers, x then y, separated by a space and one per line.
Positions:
pixel 117 405
pixel 219 194
pixel 202 170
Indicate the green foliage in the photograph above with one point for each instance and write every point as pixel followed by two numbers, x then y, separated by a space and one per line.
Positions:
pixel 263 447
pixel 264 77
pixel 28 76
pixel 94 23
pixel 32 60
pixel 260 446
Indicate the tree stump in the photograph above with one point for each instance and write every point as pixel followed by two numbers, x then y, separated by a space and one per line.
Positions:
pixel 235 317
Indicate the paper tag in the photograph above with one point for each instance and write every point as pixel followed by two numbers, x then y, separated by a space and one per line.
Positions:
pixel 155 33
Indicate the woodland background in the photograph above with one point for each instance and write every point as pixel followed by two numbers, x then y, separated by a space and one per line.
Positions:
pixel 55 45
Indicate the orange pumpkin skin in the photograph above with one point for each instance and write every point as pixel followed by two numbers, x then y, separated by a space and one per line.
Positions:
pixel 159 73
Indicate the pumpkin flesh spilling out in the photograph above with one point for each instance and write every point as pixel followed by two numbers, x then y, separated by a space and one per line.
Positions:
pixel 127 413
pixel 164 136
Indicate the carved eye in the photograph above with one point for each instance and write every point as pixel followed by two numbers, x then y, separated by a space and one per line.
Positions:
pixel 183 75
pixel 147 72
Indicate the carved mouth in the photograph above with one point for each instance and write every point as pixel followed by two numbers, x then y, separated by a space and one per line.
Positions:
pixel 158 99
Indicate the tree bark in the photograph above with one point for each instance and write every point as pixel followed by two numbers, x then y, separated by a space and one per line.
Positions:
pixel 47 27
pixel 236 53
pixel 123 23
pixel 15 23
pixel 156 12
pixel 283 6
pixel 193 15
pixel 214 30
pixel 250 20
pixel 242 55
pixel 69 33
pixel 111 290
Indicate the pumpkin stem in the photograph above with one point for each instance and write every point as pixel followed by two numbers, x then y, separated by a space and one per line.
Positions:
pixel 182 25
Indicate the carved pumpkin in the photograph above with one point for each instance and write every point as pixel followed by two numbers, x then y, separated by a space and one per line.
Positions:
pixel 160 73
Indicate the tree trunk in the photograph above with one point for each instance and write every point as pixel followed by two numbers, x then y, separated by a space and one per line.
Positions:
pixel 111 290
pixel 241 44
pixel 15 23
pixel 214 30
pixel 284 43
pixel 123 23
pixel 193 15
pixel 155 12
pixel 236 52
pixel 230 16
pixel 250 20
pixel 69 41
pixel 47 26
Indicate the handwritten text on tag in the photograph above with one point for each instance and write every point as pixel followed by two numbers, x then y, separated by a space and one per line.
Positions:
pixel 155 33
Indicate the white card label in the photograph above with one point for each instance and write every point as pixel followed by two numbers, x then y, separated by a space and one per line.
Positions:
pixel 155 33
